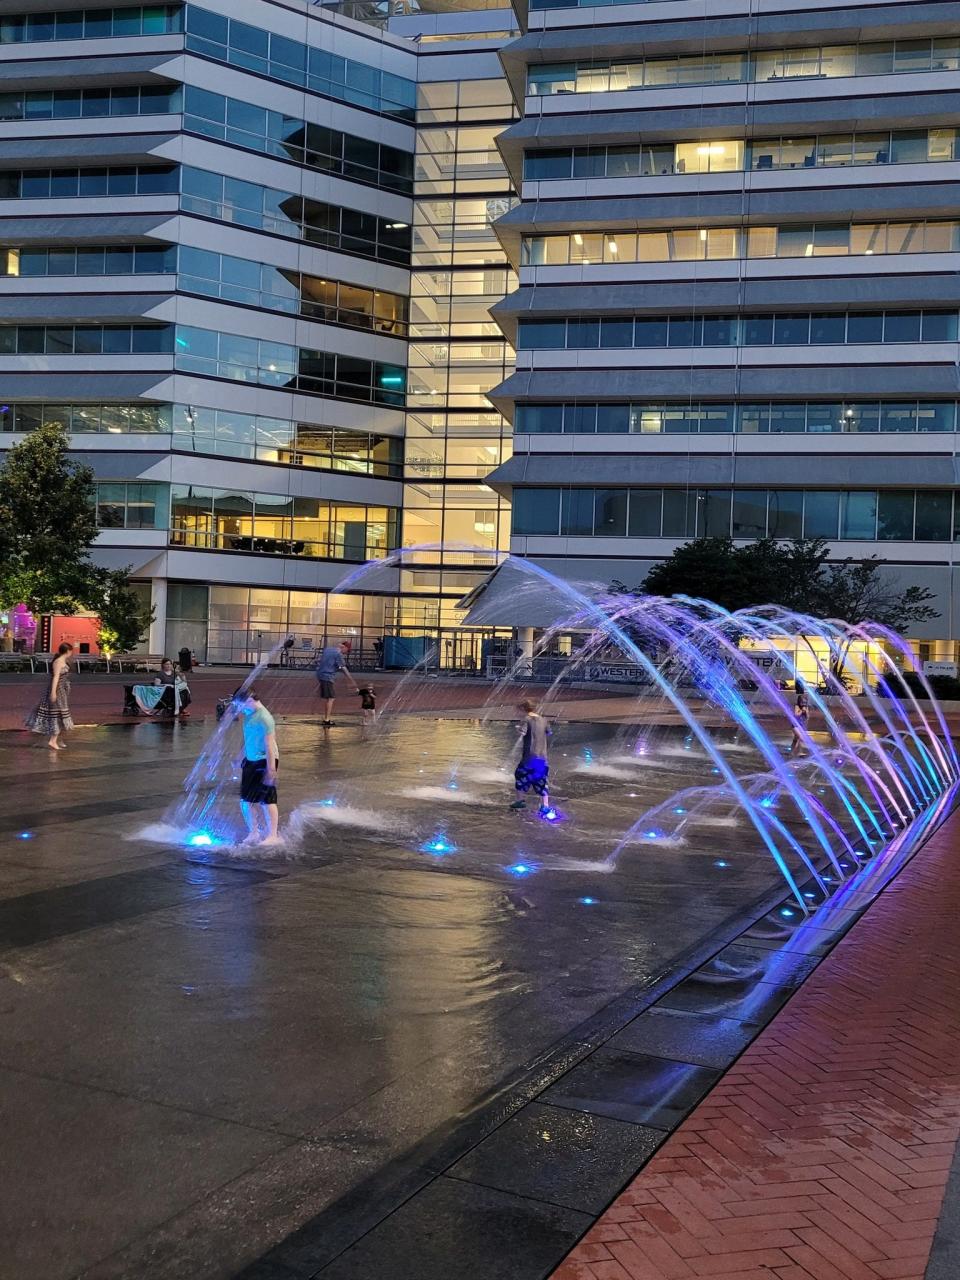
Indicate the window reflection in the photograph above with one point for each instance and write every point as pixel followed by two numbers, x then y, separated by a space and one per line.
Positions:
pixel 768 65
pixel 857 515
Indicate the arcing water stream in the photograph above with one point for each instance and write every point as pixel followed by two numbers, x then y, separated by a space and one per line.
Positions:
pixel 701 736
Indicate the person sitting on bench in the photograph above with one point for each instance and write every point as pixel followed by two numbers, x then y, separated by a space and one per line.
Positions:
pixel 168 694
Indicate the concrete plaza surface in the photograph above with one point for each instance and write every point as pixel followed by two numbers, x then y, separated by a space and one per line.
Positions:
pixel 199 1056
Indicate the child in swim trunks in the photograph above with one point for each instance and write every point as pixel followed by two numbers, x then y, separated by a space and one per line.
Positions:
pixel 533 771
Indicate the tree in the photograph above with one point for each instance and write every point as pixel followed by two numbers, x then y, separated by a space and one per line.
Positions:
pixel 795 575
pixel 48 526
pixel 124 618
pixel 48 515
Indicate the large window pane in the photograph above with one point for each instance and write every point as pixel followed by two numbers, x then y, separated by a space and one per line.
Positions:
pixel 864 327
pixel 821 513
pixel 858 515
pixel 749 513
pixel 576 512
pixel 539 419
pixel 895 516
pixel 937 416
pixel 645 507
pixel 791 331
pixel 613 419
pixel 824 418
pixel 861 417
pixel 536 511
pixel 610 519
pixel 679 513
pixel 785 513
pixel 714 513
pixel 898 417
pixel 934 508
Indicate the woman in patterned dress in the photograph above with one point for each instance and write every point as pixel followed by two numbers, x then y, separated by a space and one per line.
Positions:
pixel 52 713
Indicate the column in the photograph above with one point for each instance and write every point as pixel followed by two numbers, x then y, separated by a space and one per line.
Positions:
pixel 158 627
pixel 524 664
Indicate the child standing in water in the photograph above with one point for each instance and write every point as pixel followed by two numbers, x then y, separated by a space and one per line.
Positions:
pixel 801 711
pixel 368 703
pixel 261 759
pixel 532 772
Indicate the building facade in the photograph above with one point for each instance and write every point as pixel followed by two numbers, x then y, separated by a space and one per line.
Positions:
pixel 737 243
pixel 213 275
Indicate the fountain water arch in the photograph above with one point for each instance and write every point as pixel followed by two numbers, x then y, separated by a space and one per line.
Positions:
pixel 873 769
pixel 855 788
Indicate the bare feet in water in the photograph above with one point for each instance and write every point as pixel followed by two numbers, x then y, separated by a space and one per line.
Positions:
pixel 270 842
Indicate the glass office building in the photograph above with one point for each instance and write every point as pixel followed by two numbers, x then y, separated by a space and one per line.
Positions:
pixel 737 242
pixel 246 260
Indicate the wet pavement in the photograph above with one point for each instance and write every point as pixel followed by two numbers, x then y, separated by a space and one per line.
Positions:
pixel 200 1054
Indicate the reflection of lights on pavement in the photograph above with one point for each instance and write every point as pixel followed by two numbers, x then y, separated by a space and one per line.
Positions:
pixel 679 811
pixel 200 840
pixel 328 803
pixel 25 835
pixel 768 802
pixel 786 913
pixel 588 902
pixel 721 862
pixel 653 834
pixel 439 845
pixel 521 869
pixel 550 815
pixel 809 895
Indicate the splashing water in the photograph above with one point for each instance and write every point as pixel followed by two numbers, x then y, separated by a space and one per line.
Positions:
pixel 702 735
pixel 819 815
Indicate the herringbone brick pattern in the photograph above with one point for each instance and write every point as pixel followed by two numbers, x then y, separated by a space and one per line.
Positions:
pixel 823 1153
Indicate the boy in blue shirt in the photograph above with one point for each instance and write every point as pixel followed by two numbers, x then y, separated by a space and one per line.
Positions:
pixel 261 759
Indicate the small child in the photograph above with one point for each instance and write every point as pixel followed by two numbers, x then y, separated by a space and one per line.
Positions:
pixel 368 703
pixel 533 771
pixel 801 711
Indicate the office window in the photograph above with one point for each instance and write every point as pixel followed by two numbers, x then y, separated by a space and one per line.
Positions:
pixel 858 515
pixel 934 515
pixel 821 513
pixel 713 513
pixel 536 511
pixel 749 513
pixel 577 512
pixel 645 513
pixel 895 515
pixel 785 513
pixel 610 517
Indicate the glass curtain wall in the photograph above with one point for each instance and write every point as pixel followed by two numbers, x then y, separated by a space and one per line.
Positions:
pixel 454 438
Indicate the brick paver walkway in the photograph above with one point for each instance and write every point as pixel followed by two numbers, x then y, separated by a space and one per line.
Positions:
pixel 823 1153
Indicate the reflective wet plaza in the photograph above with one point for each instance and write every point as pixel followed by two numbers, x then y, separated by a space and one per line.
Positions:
pixel 201 1051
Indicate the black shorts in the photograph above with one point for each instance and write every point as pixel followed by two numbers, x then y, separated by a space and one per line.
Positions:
pixel 252 787
pixel 532 775
pixel 326 687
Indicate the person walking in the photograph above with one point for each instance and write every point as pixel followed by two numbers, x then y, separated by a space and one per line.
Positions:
pixel 51 715
pixel 261 760
pixel 332 659
pixel 533 771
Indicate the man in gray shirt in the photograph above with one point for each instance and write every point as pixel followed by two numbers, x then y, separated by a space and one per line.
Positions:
pixel 332 660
